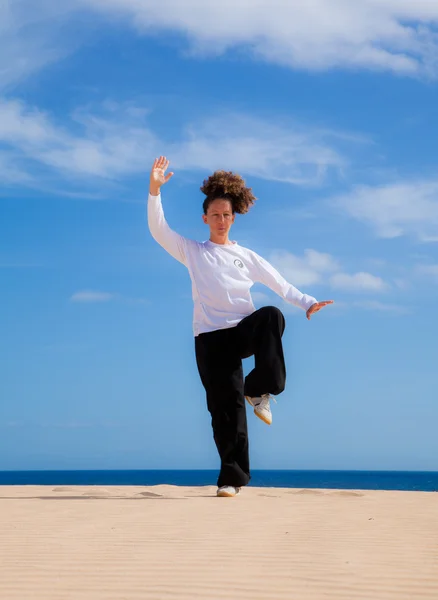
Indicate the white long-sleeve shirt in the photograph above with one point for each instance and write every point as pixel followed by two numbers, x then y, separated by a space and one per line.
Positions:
pixel 222 275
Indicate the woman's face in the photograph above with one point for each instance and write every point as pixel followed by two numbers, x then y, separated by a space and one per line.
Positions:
pixel 219 217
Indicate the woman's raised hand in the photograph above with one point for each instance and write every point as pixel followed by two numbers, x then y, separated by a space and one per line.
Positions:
pixel 158 175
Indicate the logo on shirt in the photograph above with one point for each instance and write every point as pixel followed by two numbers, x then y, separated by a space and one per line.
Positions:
pixel 239 263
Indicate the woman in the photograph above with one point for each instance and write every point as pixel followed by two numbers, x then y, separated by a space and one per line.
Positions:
pixel 226 325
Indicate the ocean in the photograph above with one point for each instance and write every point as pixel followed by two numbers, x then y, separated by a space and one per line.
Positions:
pixel 365 480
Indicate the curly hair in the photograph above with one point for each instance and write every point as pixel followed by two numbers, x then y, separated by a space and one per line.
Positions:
pixel 228 186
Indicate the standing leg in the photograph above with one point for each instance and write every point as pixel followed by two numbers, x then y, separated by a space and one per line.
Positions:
pixel 220 369
pixel 260 335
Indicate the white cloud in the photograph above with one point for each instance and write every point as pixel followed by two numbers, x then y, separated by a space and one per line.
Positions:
pixel 10 172
pixel 402 284
pixel 91 296
pixel 12 424
pixel 370 305
pixel 393 210
pixel 112 145
pixel 115 141
pixel 393 35
pixel 375 305
pixel 358 282
pixel 33 35
pixel 259 296
pixel 273 150
pixel 67 425
pixel 22 125
pixel 398 36
pixel 428 270
pixel 316 268
pixel 303 271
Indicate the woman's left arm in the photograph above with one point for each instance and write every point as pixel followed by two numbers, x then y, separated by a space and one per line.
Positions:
pixel 264 272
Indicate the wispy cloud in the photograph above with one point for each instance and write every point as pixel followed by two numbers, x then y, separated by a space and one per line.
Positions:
pixel 109 146
pixel 10 171
pixel 390 35
pixel 358 282
pixel 310 269
pixel 398 36
pixel 68 425
pixel 90 296
pixel 428 270
pixel 94 296
pixel 277 149
pixel 395 209
pixel 258 296
pixel 114 141
pixel 318 268
pixel 383 307
pixel 32 36
pixel 11 424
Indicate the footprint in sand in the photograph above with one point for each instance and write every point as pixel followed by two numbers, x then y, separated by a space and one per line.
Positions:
pixel 308 493
pixel 99 493
pixel 63 489
pixel 346 494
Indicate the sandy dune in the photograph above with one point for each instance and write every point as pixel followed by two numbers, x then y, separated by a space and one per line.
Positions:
pixel 167 542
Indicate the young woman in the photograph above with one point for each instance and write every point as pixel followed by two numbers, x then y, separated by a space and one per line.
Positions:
pixel 226 325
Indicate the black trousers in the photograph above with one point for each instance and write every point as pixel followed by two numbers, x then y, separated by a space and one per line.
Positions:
pixel 219 357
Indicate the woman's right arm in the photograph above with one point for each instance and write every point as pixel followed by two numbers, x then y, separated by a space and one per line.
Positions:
pixel 160 230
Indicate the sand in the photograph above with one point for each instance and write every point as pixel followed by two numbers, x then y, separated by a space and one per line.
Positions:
pixel 181 543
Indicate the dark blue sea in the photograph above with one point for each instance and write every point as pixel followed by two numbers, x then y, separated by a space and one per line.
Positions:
pixel 365 480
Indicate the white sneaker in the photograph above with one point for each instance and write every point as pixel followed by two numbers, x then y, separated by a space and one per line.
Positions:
pixel 227 491
pixel 262 408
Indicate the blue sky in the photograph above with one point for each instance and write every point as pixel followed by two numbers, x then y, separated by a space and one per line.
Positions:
pixel 329 113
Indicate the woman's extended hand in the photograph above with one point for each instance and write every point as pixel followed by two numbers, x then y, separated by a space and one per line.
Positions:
pixel 158 175
pixel 316 307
